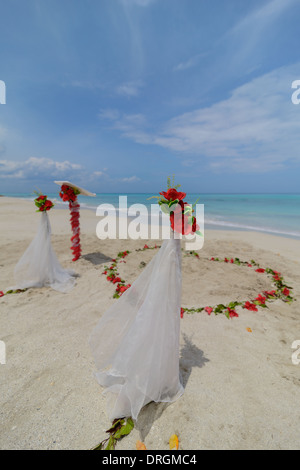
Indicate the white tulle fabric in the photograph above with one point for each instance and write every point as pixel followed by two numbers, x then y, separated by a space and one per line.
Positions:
pixel 39 265
pixel 136 343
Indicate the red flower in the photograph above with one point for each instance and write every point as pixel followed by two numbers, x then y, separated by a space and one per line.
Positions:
pixel 232 313
pixel 116 279
pixel 212 259
pixel 146 247
pixel 1 293
pixel 249 306
pixel 249 265
pixel 286 292
pixel 261 299
pixel 182 312
pixel 260 270
pixel 172 194
pixel 195 226
pixel 270 293
pixel 226 260
pixel 48 204
pixel 121 289
pixel 209 310
pixel 180 222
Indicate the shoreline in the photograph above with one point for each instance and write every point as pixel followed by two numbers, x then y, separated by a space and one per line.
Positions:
pixel 208 226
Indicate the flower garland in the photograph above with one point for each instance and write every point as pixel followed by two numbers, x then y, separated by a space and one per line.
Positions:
pixel 43 203
pixel 281 290
pixel 18 291
pixel 113 276
pixel 69 194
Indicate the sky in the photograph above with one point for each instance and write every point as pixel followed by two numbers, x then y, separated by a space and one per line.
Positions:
pixel 117 95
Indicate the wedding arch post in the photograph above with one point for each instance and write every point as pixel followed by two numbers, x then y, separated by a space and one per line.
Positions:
pixel 69 193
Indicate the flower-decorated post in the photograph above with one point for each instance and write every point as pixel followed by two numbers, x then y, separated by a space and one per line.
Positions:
pixel 39 266
pixel 138 359
pixel 69 193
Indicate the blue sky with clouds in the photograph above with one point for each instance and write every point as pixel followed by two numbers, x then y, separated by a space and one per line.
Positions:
pixel 116 95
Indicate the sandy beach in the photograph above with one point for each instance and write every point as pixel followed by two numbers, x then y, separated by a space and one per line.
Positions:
pixel 242 389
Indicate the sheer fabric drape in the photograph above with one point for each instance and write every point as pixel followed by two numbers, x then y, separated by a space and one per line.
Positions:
pixel 136 343
pixel 39 265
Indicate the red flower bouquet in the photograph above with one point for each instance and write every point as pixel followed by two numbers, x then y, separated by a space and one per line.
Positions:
pixel 43 203
pixel 181 213
pixel 68 194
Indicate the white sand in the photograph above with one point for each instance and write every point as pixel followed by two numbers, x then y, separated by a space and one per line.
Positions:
pixel 241 388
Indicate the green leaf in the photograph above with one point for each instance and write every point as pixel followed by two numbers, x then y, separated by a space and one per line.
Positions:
pixel 125 429
pixel 111 444
pixel 171 203
pixel 117 423
pixel 194 205
pixel 165 209
pixel 187 210
pixel 99 446
pixel 129 426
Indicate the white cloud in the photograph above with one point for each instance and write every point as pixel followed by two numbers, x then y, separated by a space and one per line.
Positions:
pixel 34 168
pixel 130 89
pixel 86 84
pixel 250 40
pixel 260 18
pixel 110 114
pixel 192 62
pixel 130 179
pixel 255 129
pixel 131 126
pixel 140 3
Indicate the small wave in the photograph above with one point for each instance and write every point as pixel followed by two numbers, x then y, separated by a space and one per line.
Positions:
pixel 251 227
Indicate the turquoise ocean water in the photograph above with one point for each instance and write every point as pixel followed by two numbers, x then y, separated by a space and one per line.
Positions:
pixel 277 214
